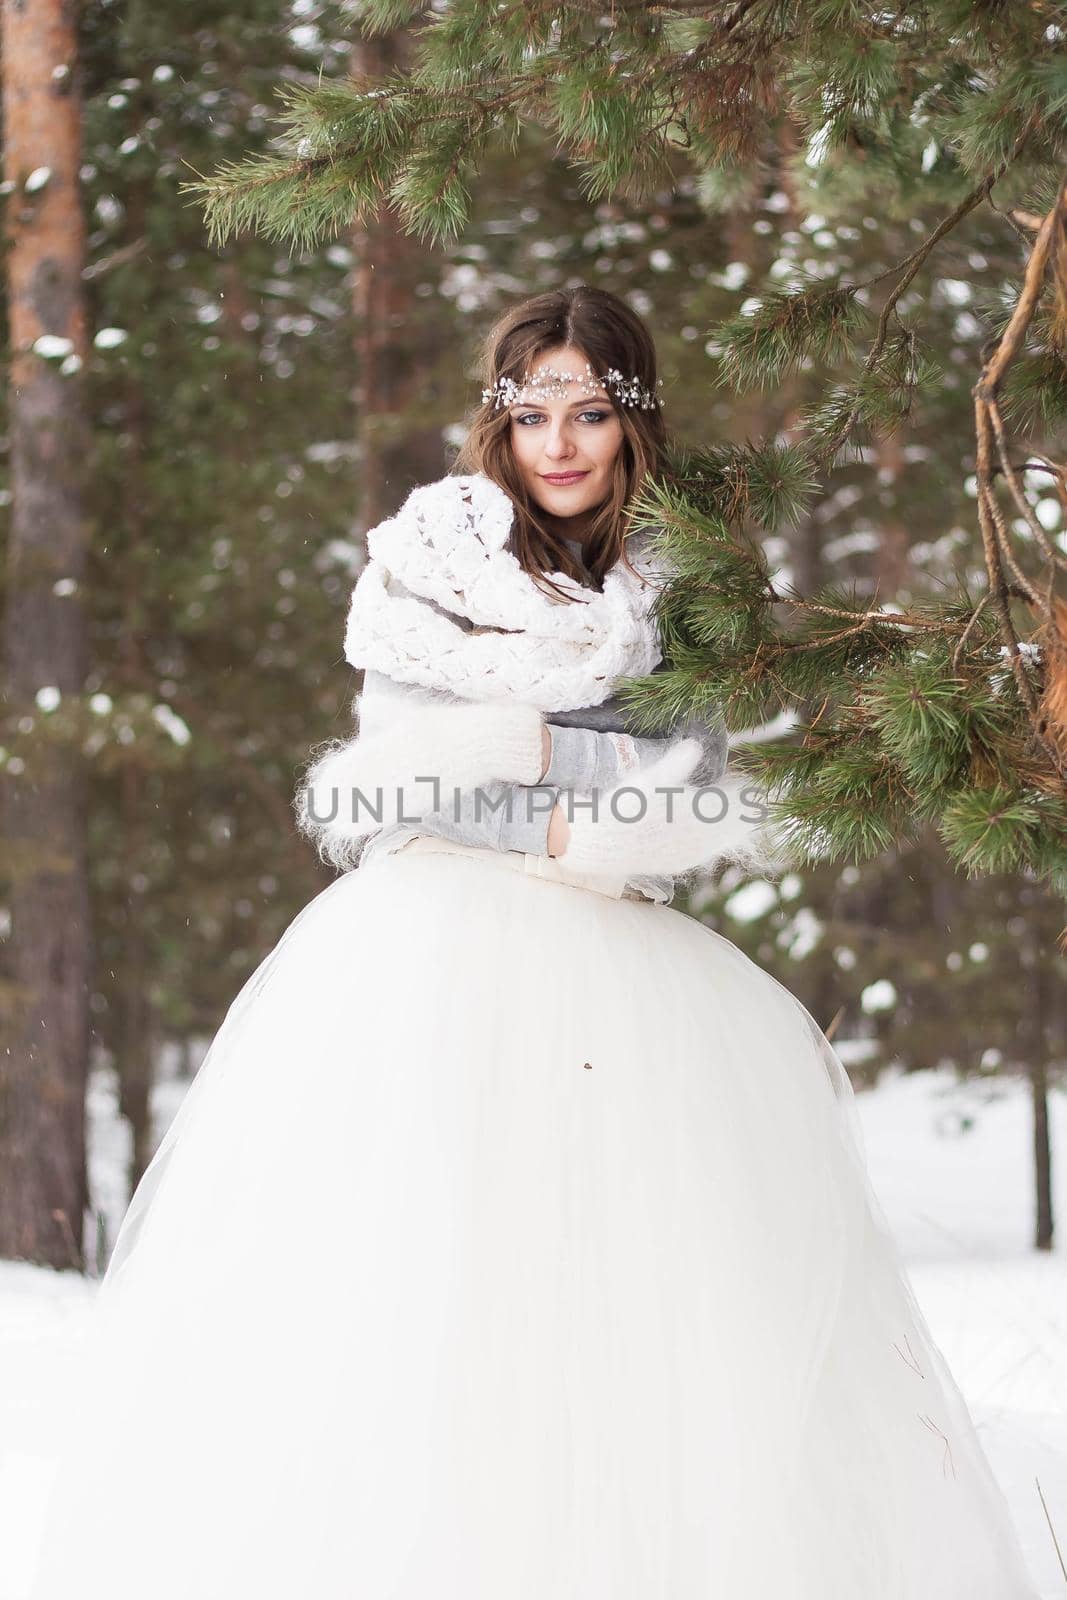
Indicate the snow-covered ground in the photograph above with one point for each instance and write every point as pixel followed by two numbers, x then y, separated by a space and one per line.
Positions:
pixel 952 1165
pixel 953 1168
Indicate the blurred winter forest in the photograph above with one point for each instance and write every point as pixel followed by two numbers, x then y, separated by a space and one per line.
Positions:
pixel 223 422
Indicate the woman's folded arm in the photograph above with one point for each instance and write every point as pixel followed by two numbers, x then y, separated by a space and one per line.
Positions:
pixel 497 816
pixel 503 815
pixel 659 821
pixel 407 759
pixel 587 759
pixel 472 771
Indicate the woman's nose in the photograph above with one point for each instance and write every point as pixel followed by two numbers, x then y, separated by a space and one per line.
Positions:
pixel 558 444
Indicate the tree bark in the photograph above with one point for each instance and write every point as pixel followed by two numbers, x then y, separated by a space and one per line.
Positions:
pixel 43 1069
pixel 136 1019
pixel 397 339
pixel 892 565
pixel 1044 1223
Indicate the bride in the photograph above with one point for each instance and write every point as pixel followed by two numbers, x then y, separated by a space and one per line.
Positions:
pixel 514 1240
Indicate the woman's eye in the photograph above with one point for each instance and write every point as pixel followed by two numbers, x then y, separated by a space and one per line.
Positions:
pixel 535 416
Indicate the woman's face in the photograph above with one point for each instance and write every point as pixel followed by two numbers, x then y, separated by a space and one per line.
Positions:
pixel 573 438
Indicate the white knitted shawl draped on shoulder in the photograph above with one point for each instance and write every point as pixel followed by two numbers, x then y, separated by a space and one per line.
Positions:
pixel 447 547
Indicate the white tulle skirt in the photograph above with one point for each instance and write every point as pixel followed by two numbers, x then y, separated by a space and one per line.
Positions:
pixel 515 1242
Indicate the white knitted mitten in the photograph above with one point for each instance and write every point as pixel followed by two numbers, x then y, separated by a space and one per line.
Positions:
pixel 372 781
pixel 655 832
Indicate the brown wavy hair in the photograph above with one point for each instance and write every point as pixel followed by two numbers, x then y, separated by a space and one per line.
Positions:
pixel 608 334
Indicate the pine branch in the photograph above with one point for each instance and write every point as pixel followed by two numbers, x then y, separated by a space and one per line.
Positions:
pixel 1048 717
pixel 908 270
pixel 901 714
pixel 785 330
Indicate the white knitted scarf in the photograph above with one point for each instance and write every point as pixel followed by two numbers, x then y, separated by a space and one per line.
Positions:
pixel 447 547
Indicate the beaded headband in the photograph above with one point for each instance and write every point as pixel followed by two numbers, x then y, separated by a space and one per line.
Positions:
pixel 551 384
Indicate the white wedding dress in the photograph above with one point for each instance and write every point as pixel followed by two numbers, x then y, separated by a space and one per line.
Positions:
pixel 515 1243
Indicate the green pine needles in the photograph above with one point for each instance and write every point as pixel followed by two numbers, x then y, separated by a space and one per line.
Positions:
pixel 908 720
pixel 935 713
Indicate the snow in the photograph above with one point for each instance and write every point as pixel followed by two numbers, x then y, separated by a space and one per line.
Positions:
pixel 52 345
pixel 37 179
pixel 952 1167
pixel 169 720
pixel 801 935
pixel 752 901
pixel 878 996
pixel 733 276
pixel 1048 513
pixel 957 291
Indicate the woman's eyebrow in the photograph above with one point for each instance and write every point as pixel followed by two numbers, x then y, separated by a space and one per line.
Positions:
pixel 588 401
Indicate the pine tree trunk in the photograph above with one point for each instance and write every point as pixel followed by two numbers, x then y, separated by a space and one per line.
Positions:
pixel 135 1020
pixel 1043 1228
pixel 43 1180
pixel 134 1032
pixel 893 557
pixel 397 340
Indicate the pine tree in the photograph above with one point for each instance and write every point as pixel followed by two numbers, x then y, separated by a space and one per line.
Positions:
pixel 950 712
pixel 216 503
pixel 44 1063
pixel 226 502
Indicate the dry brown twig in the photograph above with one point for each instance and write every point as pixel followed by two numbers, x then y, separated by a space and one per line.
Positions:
pixel 1048 707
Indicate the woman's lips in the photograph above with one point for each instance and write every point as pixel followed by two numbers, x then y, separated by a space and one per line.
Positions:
pixel 563 477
